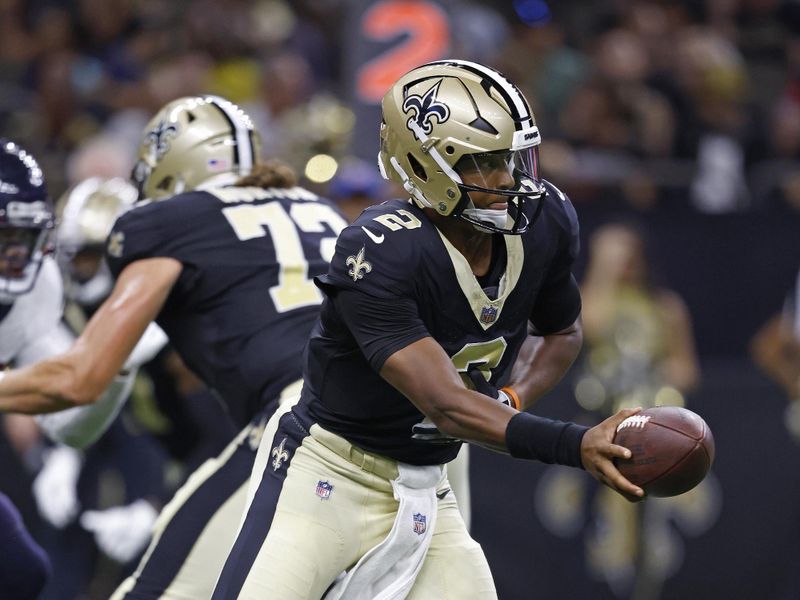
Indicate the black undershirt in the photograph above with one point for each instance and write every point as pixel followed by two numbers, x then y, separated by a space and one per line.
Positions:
pixel 490 282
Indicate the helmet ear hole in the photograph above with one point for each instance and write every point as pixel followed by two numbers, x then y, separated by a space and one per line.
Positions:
pixel 418 169
pixel 165 183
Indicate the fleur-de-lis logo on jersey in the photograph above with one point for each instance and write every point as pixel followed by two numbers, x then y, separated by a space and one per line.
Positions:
pixel 116 242
pixel 159 138
pixel 360 267
pixel 425 108
pixel 279 454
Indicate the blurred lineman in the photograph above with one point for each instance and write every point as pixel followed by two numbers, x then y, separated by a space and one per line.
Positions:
pixel 69 489
pixel 224 267
pixel 425 299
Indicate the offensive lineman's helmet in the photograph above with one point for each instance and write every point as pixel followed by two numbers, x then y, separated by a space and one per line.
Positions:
pixel 86 214
pixel 191 141
pixel 26 219
pixel 449 116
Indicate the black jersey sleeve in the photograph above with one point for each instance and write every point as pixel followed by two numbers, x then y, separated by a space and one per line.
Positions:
pixel 372 287
pixel 380 326
pixel 166 229
pixel 558 304
pixel 137 234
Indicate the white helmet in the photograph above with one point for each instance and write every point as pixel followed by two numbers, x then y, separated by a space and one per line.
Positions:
pixel 87 213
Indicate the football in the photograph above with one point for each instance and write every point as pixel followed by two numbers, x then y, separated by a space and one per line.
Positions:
pixel 671 447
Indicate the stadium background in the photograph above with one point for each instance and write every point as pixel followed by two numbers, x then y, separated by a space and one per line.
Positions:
pixel 681 114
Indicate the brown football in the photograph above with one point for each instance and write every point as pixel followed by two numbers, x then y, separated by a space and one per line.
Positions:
pixel 672 450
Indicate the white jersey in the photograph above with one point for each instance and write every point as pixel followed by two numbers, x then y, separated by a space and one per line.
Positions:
pixel 31 329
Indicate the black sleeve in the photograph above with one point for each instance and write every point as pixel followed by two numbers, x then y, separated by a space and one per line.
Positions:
pixel 380 326
pixel 557 306
pixel 137 234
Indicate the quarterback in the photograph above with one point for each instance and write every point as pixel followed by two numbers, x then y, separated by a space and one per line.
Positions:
pixel 428 304
pixel 220 254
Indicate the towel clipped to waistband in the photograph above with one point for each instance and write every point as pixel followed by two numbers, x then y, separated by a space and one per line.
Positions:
pixel 388 571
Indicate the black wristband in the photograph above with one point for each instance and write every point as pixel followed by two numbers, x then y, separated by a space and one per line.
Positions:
pixel 545 440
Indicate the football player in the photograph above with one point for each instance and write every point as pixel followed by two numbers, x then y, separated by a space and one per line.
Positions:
pixel 221 255
pixel 67 488
pixel 31 287
pixel 427 307
pixel 26 220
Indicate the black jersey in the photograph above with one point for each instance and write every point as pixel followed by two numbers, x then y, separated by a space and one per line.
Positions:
pixel 242 309
pixel 394 280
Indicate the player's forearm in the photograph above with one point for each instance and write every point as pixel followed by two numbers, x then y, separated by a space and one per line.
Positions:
pixel 44 387
pixel 538 372
pixel 81 426
pixel 473 417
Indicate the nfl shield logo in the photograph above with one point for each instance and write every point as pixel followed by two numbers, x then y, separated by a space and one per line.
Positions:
pixel 420 523
pixel 324 489
pixel 488 314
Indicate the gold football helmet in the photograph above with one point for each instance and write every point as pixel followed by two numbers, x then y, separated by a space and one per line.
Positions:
pixel 86 214
pixel 193 141
pixel 448 117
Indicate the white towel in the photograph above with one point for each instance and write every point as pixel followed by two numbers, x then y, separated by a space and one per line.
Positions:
pixel 388 571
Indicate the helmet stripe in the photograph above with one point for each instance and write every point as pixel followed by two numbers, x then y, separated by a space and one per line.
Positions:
pixel 516 101
pixel 243 152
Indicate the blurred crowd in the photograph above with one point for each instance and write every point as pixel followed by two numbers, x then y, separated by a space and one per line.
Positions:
pixel 640 96
pixel 646 101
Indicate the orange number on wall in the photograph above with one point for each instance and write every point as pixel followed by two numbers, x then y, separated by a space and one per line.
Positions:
pixel 428 39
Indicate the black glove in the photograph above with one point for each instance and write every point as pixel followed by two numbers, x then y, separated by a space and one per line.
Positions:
pixel 487 389
pixel 426 431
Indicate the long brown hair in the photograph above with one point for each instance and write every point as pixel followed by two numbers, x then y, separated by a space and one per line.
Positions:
pixel 271 173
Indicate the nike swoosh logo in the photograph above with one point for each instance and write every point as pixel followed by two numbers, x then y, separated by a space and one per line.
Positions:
pixel 442 494
pixel 378 239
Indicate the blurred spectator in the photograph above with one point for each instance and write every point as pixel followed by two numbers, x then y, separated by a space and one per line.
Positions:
pixel 776 350
pixel 356 186
pixel 638 351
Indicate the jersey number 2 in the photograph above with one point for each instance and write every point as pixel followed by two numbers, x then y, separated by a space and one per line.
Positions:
pixel 294 288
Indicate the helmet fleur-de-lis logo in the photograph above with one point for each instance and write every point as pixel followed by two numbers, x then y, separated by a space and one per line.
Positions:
pixel 426 108
pixel 116 243
pixel 360 267
pixel 279 454
pixel 159 138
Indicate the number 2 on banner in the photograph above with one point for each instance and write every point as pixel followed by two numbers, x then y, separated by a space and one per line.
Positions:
pixel 428 30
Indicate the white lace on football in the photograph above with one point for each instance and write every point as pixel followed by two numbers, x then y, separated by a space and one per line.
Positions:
pixel 638 421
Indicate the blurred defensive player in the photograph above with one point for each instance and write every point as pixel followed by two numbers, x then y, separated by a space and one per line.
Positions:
pixel 224 265
pixel 26 218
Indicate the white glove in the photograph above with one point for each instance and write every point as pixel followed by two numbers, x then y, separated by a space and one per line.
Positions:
pixel 152 341
pixel 121 532
pixel 55 487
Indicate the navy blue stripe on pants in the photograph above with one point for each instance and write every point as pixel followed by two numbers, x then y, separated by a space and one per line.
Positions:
pixel 288 437
pixel 185 527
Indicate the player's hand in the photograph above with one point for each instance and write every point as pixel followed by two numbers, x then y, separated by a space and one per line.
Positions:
pixel 55 487
pixel 122 532
pixel 598 454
